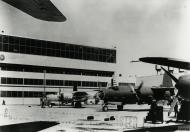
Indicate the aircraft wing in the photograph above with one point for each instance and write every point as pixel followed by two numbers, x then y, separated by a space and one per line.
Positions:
pixel 40 9
pixel 171 62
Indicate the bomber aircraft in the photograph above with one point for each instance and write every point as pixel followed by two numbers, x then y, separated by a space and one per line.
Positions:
pixel 182 83
pixel 75 98
pixel 40 9
pixel 129 94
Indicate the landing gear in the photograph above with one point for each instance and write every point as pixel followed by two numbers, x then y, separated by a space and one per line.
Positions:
pixel 50 105
pixel 105 108
pixel 119 107
pixel 77 104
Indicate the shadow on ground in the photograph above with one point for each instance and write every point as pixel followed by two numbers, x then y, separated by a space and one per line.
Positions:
pixel 130 110
pixel 136 110
pixel 28 127
pixel 184 127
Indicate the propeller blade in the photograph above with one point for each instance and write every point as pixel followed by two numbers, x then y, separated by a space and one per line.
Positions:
pixel 139 88
pixel 138 93
pixel 101 94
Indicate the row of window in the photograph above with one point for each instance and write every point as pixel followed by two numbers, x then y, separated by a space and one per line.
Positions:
pixel 27 81
pixel 23 94
pixel 55 49
pixel 39 69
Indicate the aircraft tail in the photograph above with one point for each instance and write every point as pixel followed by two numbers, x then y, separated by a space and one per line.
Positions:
pixel 167 81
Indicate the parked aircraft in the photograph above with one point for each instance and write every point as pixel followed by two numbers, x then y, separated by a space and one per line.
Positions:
pixel 61 98
pixel 129 94
pixel 182 83
pixel 40 9
pixel 117 95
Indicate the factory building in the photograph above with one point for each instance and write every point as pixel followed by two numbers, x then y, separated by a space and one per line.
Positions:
pixel 31 67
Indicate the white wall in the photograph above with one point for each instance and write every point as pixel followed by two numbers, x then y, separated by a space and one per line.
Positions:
pixel 23 101
pixel 53 76
pixel 16 58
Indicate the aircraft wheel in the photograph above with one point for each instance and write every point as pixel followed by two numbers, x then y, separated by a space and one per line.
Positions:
pixel 78 105
pixel 50 105
pixel 120 107
pixel 96 101
pixel 105 108
pixel 144 120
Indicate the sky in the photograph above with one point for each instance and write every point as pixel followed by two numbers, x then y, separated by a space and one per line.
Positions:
pixel 137 28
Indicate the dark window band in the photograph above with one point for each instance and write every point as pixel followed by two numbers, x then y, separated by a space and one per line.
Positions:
pixel 56 49
pixel 27 81
pixel 23 94
pixel 55 70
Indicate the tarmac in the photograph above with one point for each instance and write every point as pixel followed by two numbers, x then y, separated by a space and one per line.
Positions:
pixel 89 118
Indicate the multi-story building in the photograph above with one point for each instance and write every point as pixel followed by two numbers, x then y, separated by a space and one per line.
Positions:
pixel 30 67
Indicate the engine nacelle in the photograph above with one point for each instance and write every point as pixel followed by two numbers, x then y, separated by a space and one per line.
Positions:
pixel 55 97
pixel 183 86
pixel 119 93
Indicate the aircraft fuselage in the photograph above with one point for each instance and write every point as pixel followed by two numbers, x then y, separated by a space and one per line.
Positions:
pixel 124 94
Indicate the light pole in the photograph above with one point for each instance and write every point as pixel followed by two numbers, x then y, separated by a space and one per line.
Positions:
pixel 2 40
pixel 44 83
pixel 98 81
pixel 23 91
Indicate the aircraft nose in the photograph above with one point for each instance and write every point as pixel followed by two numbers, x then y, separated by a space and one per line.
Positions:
pixel 101 94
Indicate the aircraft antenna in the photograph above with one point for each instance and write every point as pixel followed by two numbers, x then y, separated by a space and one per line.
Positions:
pixel 158 69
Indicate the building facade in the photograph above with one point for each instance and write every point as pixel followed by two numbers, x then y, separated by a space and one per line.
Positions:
pixel 30 67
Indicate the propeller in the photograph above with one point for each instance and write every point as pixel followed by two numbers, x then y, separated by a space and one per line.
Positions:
pixel 137 91
pixel 139 88
pixel 99 94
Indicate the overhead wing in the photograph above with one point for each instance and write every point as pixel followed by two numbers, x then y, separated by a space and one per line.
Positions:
pixel 40 9
pixel 167 62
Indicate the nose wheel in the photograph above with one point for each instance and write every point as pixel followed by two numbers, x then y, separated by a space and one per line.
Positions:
pixel 77 105
pixel 119 107
pixel 105 108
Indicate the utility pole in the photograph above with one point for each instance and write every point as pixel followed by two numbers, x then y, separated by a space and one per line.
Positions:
pixel 44 92
pixel 2 40
pixel 44 83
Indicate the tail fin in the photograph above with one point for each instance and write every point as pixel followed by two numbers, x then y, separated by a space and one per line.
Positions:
pixel 167 81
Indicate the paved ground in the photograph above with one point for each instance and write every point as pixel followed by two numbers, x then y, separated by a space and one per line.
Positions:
pixel 75 119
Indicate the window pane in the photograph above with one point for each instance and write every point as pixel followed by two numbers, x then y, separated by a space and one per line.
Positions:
pixel 5 39
pixel 3 93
